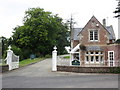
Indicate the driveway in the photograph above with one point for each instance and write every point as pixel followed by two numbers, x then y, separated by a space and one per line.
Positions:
pixel 39 75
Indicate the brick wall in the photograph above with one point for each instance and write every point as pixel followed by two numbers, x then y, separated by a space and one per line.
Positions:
pixel 116 49
pixel 111 47
pixel 101 31
pixel 75 43
pixel 88 69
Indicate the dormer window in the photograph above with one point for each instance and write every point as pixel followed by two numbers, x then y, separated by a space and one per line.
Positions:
pixel 93 35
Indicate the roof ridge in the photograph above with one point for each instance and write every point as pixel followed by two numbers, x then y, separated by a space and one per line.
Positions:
pixel 98 22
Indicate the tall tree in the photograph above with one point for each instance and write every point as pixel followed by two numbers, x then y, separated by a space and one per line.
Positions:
pixel 3 45
pixel 41 30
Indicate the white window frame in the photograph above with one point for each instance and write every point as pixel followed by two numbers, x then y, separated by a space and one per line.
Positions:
pixel 93 53
pixel 109 61
pixel 94 57
pixel 102 58
pixel 90 35
pixel 94 35
pixel 87 54
pixel 86 59
pixel 98 52
pixel 98 59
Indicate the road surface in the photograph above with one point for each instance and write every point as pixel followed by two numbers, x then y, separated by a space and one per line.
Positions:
pixel 39 75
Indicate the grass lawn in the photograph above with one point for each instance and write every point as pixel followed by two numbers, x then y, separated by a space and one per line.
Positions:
pixel 2 64
pixel 66 57
pixel 26 62
pixel 29 61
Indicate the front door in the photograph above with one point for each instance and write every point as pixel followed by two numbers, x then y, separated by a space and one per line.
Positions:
pixel 111 58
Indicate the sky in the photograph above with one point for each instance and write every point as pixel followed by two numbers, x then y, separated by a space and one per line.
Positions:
pixel 12 12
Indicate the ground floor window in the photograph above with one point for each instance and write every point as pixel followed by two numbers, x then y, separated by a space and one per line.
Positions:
pixel 111 58
pixel 97 58
pixel 94 57
pixel 101 58
pixel 87 58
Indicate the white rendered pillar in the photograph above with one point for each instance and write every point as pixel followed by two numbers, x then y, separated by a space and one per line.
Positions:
pixel 54 59
pixel 9 57
pixel 118 19
pixel 119 26
pixel 71 58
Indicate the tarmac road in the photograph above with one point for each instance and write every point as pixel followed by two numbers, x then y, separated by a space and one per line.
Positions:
pixel 39 75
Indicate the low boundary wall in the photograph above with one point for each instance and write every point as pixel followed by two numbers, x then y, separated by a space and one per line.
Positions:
pixel 89 69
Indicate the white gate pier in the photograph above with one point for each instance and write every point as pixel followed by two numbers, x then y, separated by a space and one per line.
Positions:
pixel 54 59
pixel 12 59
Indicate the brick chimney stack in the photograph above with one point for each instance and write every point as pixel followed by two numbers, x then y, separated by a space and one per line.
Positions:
pixel 104 22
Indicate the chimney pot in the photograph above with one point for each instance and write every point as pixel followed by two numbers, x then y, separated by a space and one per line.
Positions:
pixel 104 22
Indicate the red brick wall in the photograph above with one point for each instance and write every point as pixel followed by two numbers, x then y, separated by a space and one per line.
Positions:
pixel 75 43
pixel 102 42
pixel 116 49
pixel 88 69
pixel 102 33
pixel 82 57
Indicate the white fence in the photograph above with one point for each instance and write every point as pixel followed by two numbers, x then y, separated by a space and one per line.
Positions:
pixel 100 64
pixel 0 61
pixel 12 60
pixel 61 61
pixel 66 62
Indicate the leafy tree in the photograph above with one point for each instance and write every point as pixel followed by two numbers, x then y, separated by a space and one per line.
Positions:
pixel 117 41
pixel 4 46
pixel 0 48
pixel 41 31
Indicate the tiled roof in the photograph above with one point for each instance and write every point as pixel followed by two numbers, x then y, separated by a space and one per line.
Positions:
pixel 111 31
pixel 75 33
pixel 94 48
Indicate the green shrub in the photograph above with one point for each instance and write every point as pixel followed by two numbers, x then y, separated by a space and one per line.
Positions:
pixel 115 70
pixel 117 41
pixel 48 56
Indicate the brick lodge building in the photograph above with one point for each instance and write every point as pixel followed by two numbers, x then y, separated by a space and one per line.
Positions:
pixel 94 45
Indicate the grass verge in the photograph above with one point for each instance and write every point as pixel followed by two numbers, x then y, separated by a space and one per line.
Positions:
pixel 29 61
pixel 66 57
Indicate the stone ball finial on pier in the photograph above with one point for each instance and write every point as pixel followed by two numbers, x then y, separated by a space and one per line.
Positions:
pixel 55 48
pixel 9 47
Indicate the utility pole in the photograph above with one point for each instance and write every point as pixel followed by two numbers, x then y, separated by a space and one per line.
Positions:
pixel 118 16
pixel 71 22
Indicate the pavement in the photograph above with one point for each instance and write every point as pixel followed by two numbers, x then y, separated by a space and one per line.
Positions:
pixel 39 75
